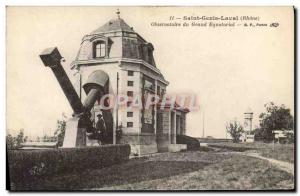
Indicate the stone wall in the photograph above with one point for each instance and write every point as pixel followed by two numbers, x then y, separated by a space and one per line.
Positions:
pixel 143 139
pixel 140 143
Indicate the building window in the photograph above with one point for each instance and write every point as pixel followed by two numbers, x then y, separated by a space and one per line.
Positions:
pixel 129 103
pixel 130 73
pixel 158 90
pixel 99 49
pixel 129 114
pixel 130 93
pixel 129 124
pixel 129 83
pixel 149 84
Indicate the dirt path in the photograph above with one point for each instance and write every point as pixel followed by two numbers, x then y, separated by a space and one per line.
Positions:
pixel 286 166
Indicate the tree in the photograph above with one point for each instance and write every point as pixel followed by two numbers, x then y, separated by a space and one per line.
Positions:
pixel 258 134
pixel 60 132
pixel 235 130
pixel 14 143
pixel 275 118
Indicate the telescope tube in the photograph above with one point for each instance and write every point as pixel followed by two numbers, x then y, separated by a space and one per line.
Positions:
pixel 51 58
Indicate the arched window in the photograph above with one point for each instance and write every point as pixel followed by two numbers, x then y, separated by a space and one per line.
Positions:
pixel 99 49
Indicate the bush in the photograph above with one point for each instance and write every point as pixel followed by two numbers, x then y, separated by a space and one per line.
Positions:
pixel 235 130
pixel 60 132
pixel 14 143
pixel 28 166
pixel 192 143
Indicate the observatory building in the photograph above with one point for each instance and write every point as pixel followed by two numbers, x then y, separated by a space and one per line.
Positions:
pixel 127 59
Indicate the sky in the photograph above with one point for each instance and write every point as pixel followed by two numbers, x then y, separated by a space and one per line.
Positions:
pixel 228 69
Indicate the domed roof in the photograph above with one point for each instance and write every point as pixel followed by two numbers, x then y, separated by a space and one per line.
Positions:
pixel 114 25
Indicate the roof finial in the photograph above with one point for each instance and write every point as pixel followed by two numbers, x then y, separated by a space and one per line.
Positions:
pixel 118 13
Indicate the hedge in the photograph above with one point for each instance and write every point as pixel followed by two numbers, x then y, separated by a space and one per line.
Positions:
pixel 27 166
pixel 192 143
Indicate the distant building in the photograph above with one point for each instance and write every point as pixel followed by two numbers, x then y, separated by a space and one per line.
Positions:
pixel 41 143
pixel 281 135
pixel 248 135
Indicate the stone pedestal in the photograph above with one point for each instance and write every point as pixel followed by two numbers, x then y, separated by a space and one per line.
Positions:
pixel 74 136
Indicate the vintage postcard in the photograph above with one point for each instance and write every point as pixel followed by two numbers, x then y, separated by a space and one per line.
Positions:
pixel 150 98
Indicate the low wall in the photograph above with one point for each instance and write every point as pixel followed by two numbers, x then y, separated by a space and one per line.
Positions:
pixel 177 147
pixel 137 150
pixel 213 140
pixel 142 143
pixel 138 138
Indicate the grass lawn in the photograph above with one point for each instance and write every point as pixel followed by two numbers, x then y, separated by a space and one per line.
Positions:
pixel 280 152
pixel 283 152
pixel 170 171
pixel 231 174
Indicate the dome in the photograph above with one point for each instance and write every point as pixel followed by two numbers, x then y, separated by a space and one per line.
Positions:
pixel 115 39
pixel 113 25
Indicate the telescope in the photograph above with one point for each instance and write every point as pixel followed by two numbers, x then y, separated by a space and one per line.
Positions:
pixel 80 123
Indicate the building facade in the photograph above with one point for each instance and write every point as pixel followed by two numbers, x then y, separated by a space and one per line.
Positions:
pixel 127 58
